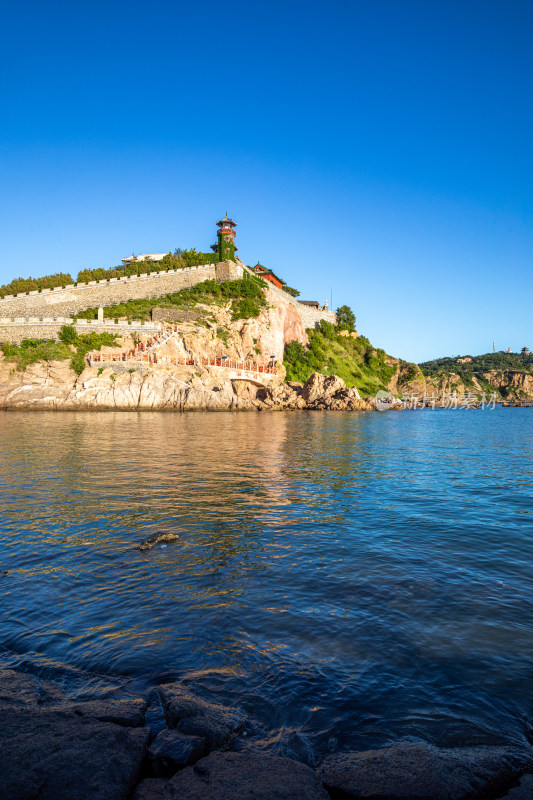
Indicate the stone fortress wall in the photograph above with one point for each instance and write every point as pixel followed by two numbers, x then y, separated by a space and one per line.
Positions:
pixel 40 314
pixel 310 316
pixel 19 328
pixel 77 297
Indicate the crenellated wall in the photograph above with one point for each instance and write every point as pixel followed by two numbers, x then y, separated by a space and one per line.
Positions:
pixel 77 297
pixel 40 315
pixel 310 316
pixel 19 328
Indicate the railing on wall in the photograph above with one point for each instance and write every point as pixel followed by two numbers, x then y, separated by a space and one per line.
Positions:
pixel 144 353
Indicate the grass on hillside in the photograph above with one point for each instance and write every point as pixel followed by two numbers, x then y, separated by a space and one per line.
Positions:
pixel 246 296
pixel 440 369
pixel 29 351
pixel 354 360
pixel 484 363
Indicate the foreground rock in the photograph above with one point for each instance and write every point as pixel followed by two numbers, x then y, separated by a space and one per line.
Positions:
pixel 172 750
pixel 524 791
pixel 157 538
pixel 150 789
pixel 217 725
pixel 420 771
pixel 19 689
pixel 129 713
pixel 243 776
pixel 54 755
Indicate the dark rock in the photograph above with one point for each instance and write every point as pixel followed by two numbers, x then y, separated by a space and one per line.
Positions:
pixel 524 791
pixel 196 717
pixel 51 755
pixel 172 750
pixel 419 771
pixel 150 789
pixel 20 689
pixel 128 712
pixel 157 538
pixel 245 776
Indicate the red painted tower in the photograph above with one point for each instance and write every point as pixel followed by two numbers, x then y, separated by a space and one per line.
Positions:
pixel 225 246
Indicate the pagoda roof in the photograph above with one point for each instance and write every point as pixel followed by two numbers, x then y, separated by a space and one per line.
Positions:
pixel 226 219
pixel 265 270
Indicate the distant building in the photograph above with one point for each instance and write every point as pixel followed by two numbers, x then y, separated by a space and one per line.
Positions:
pixel 143 257
pixel 525 351
pixel 268 275
pixel 465 360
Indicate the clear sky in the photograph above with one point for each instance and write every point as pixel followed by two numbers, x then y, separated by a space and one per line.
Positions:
pixel 378 150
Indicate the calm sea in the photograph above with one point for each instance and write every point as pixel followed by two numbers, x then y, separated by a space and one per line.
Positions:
pixel 347 578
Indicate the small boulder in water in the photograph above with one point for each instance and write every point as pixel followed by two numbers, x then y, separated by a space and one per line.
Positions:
pixel 157 538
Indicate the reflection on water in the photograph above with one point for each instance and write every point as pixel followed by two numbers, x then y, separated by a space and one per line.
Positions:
pixel 348 578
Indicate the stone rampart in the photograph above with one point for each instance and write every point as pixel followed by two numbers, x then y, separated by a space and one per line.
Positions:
pixel 15 330
pixel 310 316
pixel 77 297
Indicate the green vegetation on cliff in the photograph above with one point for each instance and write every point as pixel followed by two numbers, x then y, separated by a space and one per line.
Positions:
pixel 489 372
pixel 488 362
pixel 23 285
pixel 29 351
pixel 246 295
pixel 352 359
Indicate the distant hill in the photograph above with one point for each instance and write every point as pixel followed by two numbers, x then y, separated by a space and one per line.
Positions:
pixel 500 361
pixel 509 374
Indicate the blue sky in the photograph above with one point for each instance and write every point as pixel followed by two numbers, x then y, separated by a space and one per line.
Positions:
pixel 378 150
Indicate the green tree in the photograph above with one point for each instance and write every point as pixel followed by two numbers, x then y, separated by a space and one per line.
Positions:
pixel 291 291
pixel 345 319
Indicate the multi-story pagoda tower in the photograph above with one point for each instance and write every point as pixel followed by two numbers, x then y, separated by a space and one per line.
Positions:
pixel 225 246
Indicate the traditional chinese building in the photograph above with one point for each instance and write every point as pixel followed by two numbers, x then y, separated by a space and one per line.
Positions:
pixel 225 245
pixel 268 275
pixel 143 257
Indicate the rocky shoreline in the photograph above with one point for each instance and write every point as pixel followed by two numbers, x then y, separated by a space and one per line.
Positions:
pixel 58 747
pixel 54 386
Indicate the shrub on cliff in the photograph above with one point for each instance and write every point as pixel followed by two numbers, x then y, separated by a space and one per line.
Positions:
pixel 291 291
pixel 246 296
pixel 84 343
pixel 29 351
pixel 345 319
pixel 353 360
pixel 23 285
pixel 179 259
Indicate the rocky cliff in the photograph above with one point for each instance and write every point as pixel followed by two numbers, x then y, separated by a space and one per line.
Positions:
pixel 55 386
pixel 207 332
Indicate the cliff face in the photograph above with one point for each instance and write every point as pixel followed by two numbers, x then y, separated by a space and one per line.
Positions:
pixel 165 386
pixel 255 339
pixel 510 375
pixel 508 385
pixel 54 386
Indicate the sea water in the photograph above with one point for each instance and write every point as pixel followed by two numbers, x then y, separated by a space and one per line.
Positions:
pixel 347 578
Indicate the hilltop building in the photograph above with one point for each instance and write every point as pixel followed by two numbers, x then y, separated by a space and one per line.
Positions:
pixel 525 351
pixel 143 257
pixel 268 275
pixel 225 244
